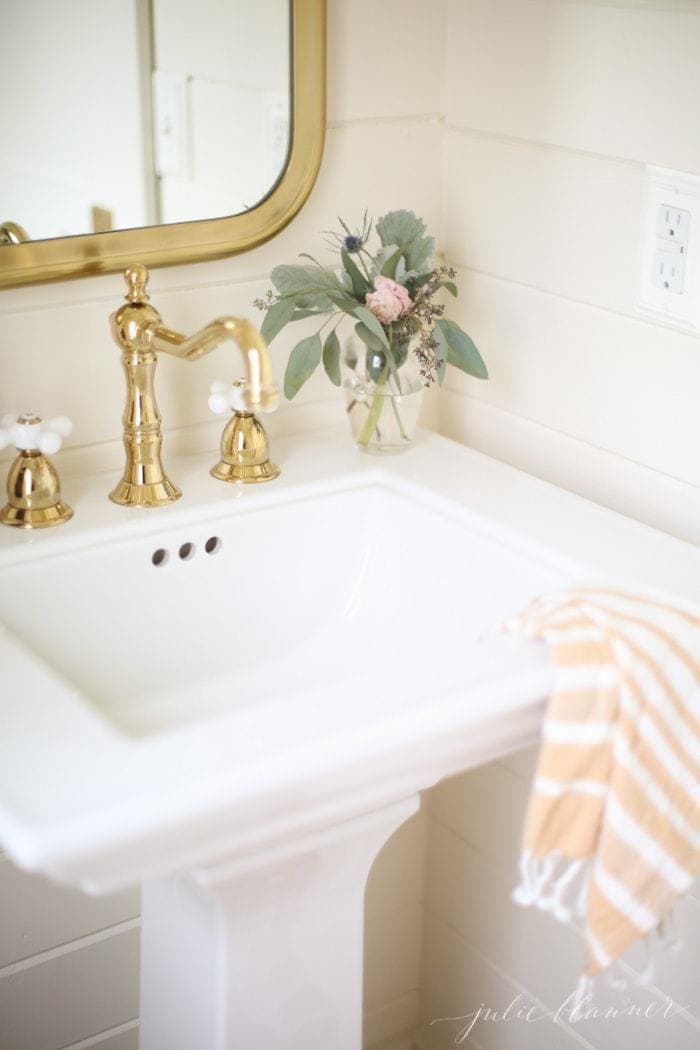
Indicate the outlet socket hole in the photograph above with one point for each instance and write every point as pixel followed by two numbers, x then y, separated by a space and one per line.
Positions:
pixel 159 557
pixel 213 545
pixel 186 551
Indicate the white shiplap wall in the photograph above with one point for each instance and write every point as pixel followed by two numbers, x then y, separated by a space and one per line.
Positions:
pixel 553 108
pixel 69 964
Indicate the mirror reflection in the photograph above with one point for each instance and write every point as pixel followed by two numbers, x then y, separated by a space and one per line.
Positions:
pixel 140 113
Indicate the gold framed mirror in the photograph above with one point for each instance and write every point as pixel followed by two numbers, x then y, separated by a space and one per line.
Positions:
pixel 61 258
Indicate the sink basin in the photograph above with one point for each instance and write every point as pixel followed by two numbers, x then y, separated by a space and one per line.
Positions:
pixel 361 597
pixel 236 701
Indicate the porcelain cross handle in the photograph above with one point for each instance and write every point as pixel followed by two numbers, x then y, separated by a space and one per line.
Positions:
pixel 29 433
pixel 226 397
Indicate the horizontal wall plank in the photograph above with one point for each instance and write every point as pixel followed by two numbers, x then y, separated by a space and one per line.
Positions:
pixel 597 474
pixel 619 384
pixel 36 914
pixel 522 763
pixel 384 1027
pixel 73 996
pixel 365 36
pixel 583 76
pixel 486 808
pixel 123 1037
pixel 564 222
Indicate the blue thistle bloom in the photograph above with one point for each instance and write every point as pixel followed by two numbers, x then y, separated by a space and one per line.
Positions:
pixel 352 243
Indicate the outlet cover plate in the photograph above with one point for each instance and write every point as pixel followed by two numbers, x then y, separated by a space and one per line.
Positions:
pixel 677 304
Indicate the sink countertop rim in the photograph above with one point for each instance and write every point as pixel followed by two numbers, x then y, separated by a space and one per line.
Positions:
pixel 454 476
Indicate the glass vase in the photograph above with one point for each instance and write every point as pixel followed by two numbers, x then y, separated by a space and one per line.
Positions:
pixel 382 404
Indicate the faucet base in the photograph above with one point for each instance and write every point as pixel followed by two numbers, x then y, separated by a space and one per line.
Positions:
pixel 157 494
pixel 244 452
pixel 35 517
pixel 33 494
pixel 245 473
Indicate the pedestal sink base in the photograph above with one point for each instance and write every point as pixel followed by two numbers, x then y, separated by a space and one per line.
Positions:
pixel 264 950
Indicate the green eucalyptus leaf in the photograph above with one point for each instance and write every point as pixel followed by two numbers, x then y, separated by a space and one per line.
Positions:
pixel 371 322
pixel 276 318
pixel 303 362
pixel 331 357
pixel 369 338
pixel 360 286
pixel 344 301
pixel 350 357
pixel 391 264
pixel 399 352
pixel 461 351
pixel 451 287
pixel 307 286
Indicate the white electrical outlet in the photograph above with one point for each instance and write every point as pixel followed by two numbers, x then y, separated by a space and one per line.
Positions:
pixel 673 224
pixel 669 280
pixel 668 270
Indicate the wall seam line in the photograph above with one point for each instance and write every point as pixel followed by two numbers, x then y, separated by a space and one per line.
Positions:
pixel 103 1036
pixel 458 263
pixel 68 947
pixel 469 131
pixel 571 437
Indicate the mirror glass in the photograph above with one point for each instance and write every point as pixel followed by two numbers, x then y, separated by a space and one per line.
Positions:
pixel 126 113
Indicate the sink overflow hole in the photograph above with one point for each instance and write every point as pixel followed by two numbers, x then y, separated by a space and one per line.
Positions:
pixel 187 551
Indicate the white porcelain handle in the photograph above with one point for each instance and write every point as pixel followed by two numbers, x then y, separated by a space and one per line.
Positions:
pixel 235 397
pixel 29 433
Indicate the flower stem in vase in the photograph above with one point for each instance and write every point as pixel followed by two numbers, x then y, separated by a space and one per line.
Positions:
pixel 374 412
pixel 397 416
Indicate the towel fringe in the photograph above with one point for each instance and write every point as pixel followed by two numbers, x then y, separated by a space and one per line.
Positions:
pixel 615 977
pixel 584 988
pixel 523 892
pixel 540 888
pixel 645 977
pixel 668 933
pixel 554 903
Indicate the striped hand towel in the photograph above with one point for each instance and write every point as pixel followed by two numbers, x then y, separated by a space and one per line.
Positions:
pixel 613 825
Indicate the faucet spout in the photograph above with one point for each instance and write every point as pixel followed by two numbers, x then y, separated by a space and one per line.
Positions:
pixel 259 391
pixel 140 333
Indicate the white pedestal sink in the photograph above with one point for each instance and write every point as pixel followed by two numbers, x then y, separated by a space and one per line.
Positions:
pixel 242 729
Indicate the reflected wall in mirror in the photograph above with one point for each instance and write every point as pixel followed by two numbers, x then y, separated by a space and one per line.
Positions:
pixel 140 113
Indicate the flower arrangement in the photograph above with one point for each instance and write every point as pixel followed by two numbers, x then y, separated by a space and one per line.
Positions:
pixel 390 295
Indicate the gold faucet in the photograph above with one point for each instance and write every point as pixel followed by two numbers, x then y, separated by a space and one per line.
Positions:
pixel 139 332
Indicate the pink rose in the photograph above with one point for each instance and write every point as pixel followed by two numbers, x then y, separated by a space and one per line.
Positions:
pixel 388 301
